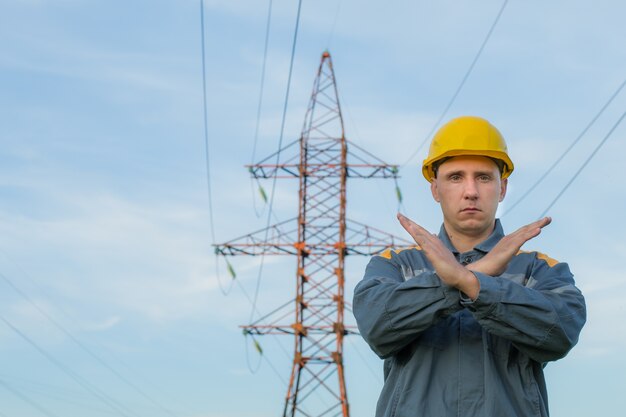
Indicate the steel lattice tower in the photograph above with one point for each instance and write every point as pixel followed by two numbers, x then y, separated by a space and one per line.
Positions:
pixel 320 237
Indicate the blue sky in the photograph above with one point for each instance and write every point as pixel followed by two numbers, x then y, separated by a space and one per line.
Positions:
pixel 105 236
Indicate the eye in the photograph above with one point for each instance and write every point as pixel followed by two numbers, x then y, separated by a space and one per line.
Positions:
pixel 484 178
pixel 455 178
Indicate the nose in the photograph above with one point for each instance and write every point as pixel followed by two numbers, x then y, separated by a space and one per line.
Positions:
pixel 470 190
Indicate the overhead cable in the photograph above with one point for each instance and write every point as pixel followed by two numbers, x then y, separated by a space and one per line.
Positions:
pixel 332 29
pixel 259 106
pixel 458 90
pixel 206 123
pixel 207 158
pixel 569 148
pixel 608 135
pixel 83 347
pixel 112 403
pixel 375 374
pixel 280 144
pixel 54 393
pixel 26 399
pixel 274 180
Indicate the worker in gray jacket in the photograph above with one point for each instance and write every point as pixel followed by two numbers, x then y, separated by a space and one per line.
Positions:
pixel 465 320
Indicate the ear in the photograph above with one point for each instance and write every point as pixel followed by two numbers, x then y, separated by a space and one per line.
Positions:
pixel 434 190
pixel 503 185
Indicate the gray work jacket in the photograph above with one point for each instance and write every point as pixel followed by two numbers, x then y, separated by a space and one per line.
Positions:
pixel 448 356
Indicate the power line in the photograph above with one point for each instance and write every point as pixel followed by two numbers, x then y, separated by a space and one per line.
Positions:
pixel 52 392
pixel 27 399
pixel 458 90
pixel 367 364
pixel 83 347
pixel 260 103
pixel 280 144
pixel 206 141
pixel 271 365
pixel 113 404
pixel 207 158
pixel 206 122
pixel 608 135
pixel 560 158
pixel 332 29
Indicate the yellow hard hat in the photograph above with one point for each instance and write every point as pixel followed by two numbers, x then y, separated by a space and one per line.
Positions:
pixel 467 135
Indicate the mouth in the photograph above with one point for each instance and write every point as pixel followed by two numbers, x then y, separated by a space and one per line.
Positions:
pixel 470 210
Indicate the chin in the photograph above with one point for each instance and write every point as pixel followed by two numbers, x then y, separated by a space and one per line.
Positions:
pixel 474 225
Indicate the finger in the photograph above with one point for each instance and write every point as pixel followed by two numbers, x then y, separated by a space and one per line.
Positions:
pixel 544 222
pixel 535 227
pixel 541 223
pixel 411 227
pixel 417 232
pixel 530 231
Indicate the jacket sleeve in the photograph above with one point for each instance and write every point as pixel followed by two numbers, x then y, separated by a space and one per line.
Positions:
pixel 391 312
pixel 541 317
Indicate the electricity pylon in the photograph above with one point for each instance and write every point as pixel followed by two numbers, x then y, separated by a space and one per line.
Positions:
pixel 320 237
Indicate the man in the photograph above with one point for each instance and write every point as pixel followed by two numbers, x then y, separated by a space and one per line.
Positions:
pixel 466 321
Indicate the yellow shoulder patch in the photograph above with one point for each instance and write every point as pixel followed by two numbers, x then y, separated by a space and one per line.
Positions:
pixel 550 261
pixel 387 254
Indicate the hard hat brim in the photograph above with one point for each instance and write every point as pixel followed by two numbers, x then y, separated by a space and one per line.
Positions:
pixel 429 173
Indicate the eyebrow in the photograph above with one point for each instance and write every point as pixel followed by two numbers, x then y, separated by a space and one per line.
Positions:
pixel 464 173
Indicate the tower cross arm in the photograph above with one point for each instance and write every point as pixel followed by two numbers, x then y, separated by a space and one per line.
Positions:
pixel 358 163
pixel 282 239
pixel 277 239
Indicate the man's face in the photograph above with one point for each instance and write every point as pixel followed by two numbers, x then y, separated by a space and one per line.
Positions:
pixel 469 189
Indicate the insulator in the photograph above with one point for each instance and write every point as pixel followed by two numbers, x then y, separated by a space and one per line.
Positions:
pixel 231 270
pixel 257 346
pixel 263 194
pixel 399 194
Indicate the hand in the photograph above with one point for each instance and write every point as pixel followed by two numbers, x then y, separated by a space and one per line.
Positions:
pixel 448 269
pixel 496 261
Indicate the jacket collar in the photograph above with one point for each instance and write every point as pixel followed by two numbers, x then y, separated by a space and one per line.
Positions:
pixel 484 246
